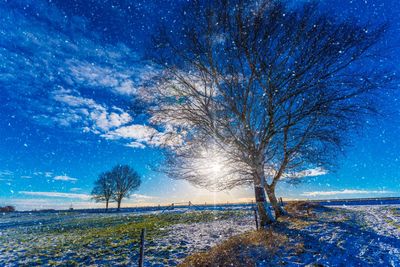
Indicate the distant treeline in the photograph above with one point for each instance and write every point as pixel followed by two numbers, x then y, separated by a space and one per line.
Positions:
pixel 359 201
pixel 7 209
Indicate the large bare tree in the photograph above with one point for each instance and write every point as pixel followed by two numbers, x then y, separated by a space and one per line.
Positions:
pixel 270 87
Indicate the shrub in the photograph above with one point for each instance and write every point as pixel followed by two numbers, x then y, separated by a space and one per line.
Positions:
pixel 302 207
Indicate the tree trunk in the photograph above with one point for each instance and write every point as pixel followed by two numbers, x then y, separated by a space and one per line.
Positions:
pixel 106 205
pixel 262 207
pixel 264 212
pixel 279 211
pixel 119 204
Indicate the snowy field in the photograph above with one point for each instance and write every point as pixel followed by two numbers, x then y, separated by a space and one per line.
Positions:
pixel 347 236
pixel 340 236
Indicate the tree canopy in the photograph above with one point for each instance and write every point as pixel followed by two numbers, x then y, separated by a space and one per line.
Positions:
pixel 115 185
pixel 274 88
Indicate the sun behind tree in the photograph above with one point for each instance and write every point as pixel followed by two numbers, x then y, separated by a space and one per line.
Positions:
pixel 276 88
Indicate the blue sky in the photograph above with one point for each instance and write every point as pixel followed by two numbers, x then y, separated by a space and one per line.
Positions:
pixel 68 74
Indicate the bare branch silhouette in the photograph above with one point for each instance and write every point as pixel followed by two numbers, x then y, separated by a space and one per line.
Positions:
pixel 273 88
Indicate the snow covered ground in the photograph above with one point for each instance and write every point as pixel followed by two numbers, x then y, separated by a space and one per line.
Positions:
pixel 348 236
pixel 341 236
pixel 184 239
pixel 73 238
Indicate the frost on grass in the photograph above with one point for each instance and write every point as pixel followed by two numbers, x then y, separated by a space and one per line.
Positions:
pixel 112 239
pixel 322 237
pixel 345 236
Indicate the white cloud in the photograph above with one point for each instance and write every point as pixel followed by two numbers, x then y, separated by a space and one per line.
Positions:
pixel 308 173
pixel 344 192
pixel 119 80
pixel 6 173
pixel 313 172
pixel 67 97
pixel 26 176
pixel 56 195
pixel 143 135
pixel 140 196
pixel 109 123
pixel 135 198
pixel 107 120
pixel 66 54
pixel 134 144
pixel 86 112
pixel 45 174
pixel 271 171
pixel 70 61
pixel 64 178
pixel 75 189
pixel 59 203
pixel 48 203
pixel 126 87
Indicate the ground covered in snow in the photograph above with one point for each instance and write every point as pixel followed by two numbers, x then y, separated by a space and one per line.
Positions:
pixel 345 236
pixel 324 236
pixel 340 236
pixel 74 238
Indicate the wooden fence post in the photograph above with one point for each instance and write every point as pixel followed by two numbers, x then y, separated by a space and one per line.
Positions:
pixel 141 255
pixel 256 218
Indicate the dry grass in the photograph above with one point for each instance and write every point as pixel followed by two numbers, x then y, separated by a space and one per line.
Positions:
pixel 301 208
pixel 255 246
pixel 241 250
pixel 296 222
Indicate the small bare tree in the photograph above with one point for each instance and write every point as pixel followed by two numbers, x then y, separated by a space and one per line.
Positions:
pixel 125 181
pixel 103 188
pixel 274 88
